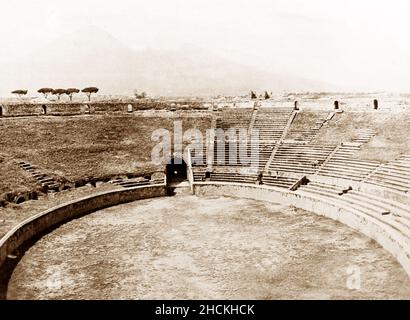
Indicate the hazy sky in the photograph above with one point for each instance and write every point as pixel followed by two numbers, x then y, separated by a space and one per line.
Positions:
pixel 360 43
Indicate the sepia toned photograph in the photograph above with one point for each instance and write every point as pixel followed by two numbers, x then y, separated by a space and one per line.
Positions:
pixel 204 150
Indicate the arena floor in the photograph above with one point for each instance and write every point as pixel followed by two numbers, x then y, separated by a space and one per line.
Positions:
pixel 188 247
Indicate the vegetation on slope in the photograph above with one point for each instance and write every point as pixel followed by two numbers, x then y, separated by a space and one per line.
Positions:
pixel 390 141
pixel 13 180
pixel 76 148
pixel 305 120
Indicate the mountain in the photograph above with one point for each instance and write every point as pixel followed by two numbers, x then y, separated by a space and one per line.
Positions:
pixel 93 57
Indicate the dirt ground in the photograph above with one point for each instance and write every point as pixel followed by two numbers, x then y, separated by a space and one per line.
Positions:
pixel 185 247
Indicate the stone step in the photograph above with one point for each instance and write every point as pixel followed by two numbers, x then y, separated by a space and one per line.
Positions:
pixel 133 183
pixel 352 203
pixel 157 181
pixel 404 177
pixel 400 209
pixel 370 206
pixel 54 186
pixel 349 167
pixel 47 184
pixel 341 176
pixel 388 183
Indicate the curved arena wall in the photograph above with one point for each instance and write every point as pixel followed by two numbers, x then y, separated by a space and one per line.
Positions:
pixel 389 238
pixel 53 217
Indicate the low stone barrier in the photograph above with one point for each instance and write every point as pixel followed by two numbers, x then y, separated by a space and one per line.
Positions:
pixel 41 222
pixel 25 109
pixel 63 108
pixel 388 237
pixel 385 192
pixel 22 109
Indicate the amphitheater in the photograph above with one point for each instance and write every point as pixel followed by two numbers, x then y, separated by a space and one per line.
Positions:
pixel 85 214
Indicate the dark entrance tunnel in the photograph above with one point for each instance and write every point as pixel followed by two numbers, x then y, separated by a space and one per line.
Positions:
pixel 176 170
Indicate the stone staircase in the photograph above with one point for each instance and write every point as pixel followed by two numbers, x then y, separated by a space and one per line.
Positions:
pixel 234 177
pixel 394 175
pixel 271 123
pixel 47 182
pixel 341 164
pixel 389 212
pixel 299 158
pixel 278 181
pixel 307 135
pixel 364 135
pixel 237 118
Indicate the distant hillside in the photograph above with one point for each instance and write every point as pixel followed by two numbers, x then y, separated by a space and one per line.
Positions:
pixel 93 57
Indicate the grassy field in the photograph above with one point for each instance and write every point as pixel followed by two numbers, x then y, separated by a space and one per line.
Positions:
pixel 13 179
pixel 305 120
pixel 391 129
pixel 81 147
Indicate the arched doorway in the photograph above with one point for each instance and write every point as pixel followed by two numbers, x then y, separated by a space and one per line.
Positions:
pixel 1 111
pixel 44 109
pixel 130 108
pixel 176 170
